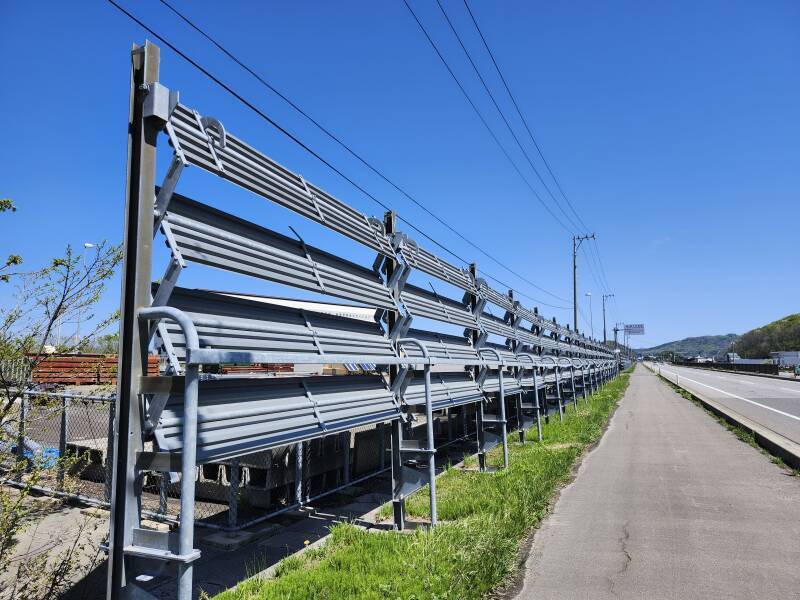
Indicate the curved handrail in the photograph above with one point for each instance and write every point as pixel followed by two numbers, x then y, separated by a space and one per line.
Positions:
pixel 420 344
pixel 500 360
pixel 529 358
pixel 154 313
pixel 550 358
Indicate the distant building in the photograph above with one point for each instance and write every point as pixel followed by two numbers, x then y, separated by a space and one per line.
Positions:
pixel 786 358
pixel 701 360
pixel 732 357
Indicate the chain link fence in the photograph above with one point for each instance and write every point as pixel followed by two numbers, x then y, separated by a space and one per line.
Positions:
pixel 68 437
pixel 229 495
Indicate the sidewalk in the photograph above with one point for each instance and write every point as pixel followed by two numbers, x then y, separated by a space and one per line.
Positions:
pixel 669 505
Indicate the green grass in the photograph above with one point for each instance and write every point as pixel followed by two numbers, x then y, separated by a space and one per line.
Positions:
pixel 484 517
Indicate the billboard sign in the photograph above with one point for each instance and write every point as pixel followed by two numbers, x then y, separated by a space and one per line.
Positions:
pixel 636 329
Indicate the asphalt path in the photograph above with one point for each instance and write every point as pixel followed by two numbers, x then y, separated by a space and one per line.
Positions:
pixel 669 505
pixel 772 403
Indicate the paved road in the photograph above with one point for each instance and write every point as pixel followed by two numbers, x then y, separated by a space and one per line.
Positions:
pixel 773 403
pixel 669 505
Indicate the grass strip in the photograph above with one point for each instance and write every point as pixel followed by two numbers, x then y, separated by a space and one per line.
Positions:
pixel 484 518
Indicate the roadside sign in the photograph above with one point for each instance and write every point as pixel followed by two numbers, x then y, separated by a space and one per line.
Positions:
pixel 636 329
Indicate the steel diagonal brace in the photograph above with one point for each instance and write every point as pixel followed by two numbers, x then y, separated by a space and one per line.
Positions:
pixel 395 285
pixel 167 188
pixel 311 262
pixel 313 197
pixel 164 193
pixel 314 406
pixel 164 291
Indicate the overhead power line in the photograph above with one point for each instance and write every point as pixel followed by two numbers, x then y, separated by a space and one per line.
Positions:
pixel 308 149
pixel 596 247
pixel 593 271
pixel 481 117
pixel 530 133
pixel 348 149
pixel 503 116
pixel 521 116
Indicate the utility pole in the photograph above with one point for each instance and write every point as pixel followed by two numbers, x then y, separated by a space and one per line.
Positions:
pixel 604 318
pixel 576 243
pixel 617 329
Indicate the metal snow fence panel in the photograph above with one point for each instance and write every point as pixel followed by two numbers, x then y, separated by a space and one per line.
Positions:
pixel 15 370
pixel 240 416
pixel 491 384
pixel 497 353
pixel 496 326
pixel 447 390
pixel 427 262
pixel 234 426
pixel 237 330
pixel 495 297
pixel 442 348
pixel 422 303
pixel 204 143
pixel 545 324
pixel 211 237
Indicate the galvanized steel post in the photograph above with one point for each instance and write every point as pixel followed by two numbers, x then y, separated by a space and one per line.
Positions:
pixel 233 494
pixel 136 278
pixel 398 503
pixel 109 466
pixel 62 440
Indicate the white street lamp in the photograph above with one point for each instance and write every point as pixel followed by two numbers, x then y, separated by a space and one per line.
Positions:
pixel 591 317
pixel 86 246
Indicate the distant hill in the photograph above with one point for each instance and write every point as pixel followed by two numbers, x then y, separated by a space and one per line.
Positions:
pixel 704 345
pixel 783 334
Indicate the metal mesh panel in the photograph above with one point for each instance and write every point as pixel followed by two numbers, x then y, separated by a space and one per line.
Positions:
pixel 67 436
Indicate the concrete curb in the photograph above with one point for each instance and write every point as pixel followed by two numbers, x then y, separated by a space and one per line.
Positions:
pixel 772 442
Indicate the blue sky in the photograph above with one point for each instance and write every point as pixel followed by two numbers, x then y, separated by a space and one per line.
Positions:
pixel 672 127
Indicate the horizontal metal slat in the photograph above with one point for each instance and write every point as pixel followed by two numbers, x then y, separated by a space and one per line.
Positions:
pixel 427 262
pixel 491 385
pixel 496 326
pixel 447 390
pixel 217 239
pixel 496 298
pixel 229 323
pixel 254 171
pixel 422 303
pixel 237 417
pixel 441 347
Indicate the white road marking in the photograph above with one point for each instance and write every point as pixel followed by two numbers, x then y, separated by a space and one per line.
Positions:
pixel 748 381
pixel 780 412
